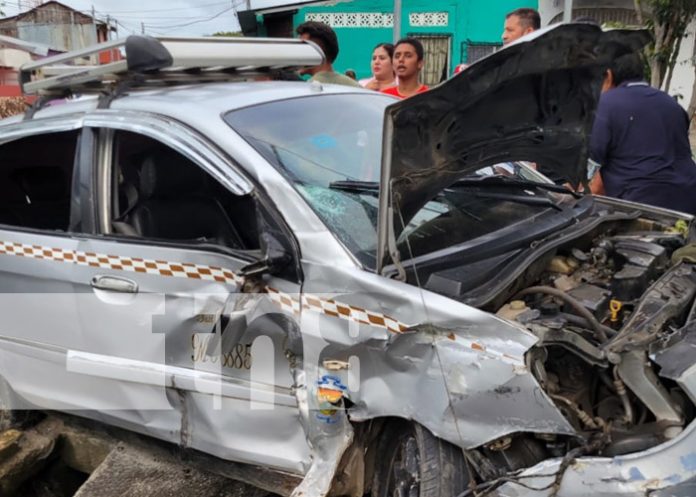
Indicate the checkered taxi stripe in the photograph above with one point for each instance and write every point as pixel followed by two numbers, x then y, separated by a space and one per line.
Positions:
pixel 286 302
pixel 331 308
pixel 118 263
pixel 335 309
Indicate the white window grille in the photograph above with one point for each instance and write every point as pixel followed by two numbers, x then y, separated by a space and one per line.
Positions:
pixel 428 19
pixel 353 19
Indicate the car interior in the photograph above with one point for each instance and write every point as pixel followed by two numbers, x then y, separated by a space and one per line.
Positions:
pixel 35 181
pixel 160 194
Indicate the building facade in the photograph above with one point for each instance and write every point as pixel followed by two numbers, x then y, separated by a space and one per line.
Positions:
pixel 452 31
pixel 13 54
pixel 55 25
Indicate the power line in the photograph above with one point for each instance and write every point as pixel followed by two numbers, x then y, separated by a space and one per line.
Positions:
pixel 168 27
pixel 123 19
pixel 26 4
pixel 216 4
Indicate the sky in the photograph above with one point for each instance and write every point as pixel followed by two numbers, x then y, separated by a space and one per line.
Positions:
pixel 160 17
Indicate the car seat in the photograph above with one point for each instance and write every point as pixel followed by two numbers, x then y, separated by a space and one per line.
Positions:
pixel 175 203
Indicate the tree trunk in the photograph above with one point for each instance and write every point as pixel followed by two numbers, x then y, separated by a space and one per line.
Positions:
pixel 656 65
pixel 691 110
pixel 673 62
pixel 639 12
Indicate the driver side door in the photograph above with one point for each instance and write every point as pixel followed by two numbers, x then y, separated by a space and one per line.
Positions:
pixel 180 345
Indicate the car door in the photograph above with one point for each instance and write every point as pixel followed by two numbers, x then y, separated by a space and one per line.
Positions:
pixel 180 345
pixel 40 231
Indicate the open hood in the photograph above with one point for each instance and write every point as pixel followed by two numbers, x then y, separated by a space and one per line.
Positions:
pixel 533 100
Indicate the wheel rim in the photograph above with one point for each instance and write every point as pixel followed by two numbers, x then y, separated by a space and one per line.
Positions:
pixel 404 471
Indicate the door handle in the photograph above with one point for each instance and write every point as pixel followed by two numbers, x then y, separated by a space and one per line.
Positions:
pixel 114 284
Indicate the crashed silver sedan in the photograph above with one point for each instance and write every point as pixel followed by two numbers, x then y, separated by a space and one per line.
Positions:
pixel 363 296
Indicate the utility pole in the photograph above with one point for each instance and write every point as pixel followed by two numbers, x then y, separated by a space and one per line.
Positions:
pixel 397 20
pixel 142 28
pixel 567 10
pixel 94 23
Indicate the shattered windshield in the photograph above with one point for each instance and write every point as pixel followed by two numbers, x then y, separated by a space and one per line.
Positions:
pixel 330 148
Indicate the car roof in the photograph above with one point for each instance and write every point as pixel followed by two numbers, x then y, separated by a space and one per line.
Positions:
pixel 200 101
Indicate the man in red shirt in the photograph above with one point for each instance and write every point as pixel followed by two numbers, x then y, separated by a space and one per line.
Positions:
pixel 408 63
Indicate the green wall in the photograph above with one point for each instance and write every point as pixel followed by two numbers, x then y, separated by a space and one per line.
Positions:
pixel 479 21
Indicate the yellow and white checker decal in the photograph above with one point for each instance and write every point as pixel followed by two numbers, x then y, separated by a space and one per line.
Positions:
pixel 286 302
pixel 331 308
pixel 335 309
pixel 118 263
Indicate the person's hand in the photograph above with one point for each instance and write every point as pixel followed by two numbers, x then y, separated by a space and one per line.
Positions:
pixel 373 85
pixel 597 185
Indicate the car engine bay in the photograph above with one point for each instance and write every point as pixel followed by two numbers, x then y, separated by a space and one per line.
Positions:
pixel 605 307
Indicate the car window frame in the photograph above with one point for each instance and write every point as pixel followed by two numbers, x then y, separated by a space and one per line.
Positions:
pixel 170 133
pixel 353 257
pixel 195 147
pixel 47 126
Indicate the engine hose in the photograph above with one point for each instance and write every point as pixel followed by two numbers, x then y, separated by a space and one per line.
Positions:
pixel 577 306
pixel 623 395
pixel 583 416
pixel 581 321
pixel 634 443
pixel 608 382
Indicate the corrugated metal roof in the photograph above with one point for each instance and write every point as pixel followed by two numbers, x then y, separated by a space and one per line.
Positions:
pixel 28 46
pixel 63 37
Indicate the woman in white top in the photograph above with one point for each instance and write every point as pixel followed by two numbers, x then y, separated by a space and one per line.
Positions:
pixel 382 70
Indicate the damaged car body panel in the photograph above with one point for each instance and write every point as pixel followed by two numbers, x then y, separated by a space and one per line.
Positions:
pixel 460 357
pixel 669 467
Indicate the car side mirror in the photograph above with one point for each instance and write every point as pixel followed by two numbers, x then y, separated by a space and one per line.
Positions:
pixel 275 258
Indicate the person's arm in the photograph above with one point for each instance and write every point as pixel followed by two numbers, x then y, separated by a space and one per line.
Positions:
pixel 600 139
pixel 597 185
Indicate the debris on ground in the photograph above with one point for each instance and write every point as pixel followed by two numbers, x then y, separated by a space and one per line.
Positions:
pixel 60 458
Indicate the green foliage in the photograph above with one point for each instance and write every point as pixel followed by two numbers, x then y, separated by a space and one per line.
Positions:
pixel 615 25
pixel 667 20
pixel 228 34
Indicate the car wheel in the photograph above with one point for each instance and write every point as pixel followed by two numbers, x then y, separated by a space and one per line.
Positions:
pixel 412 462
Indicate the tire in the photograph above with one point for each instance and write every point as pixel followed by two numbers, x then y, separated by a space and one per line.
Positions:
pixel 412 462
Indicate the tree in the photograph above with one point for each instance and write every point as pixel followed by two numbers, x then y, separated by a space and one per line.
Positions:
pixel 667 20
pixel 228 34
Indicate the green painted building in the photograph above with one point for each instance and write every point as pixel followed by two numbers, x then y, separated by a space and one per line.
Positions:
pixel 452 31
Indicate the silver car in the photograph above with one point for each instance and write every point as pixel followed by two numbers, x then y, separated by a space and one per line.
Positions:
pixel 361 295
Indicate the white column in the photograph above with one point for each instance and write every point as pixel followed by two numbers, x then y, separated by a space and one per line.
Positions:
pixel 397 20
pixel 568 10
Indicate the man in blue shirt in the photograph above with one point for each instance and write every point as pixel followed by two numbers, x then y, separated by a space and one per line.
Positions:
pixel 640 140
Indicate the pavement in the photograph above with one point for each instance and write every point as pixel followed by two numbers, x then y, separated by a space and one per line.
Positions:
pixel 63 457
pixel 136 472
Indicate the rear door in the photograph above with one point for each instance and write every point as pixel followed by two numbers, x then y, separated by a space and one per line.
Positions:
pixel 40 231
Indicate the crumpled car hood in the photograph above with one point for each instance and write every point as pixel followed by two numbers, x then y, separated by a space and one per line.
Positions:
pixel 534 100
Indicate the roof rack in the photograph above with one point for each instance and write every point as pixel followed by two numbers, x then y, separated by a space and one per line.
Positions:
pixel 141 61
